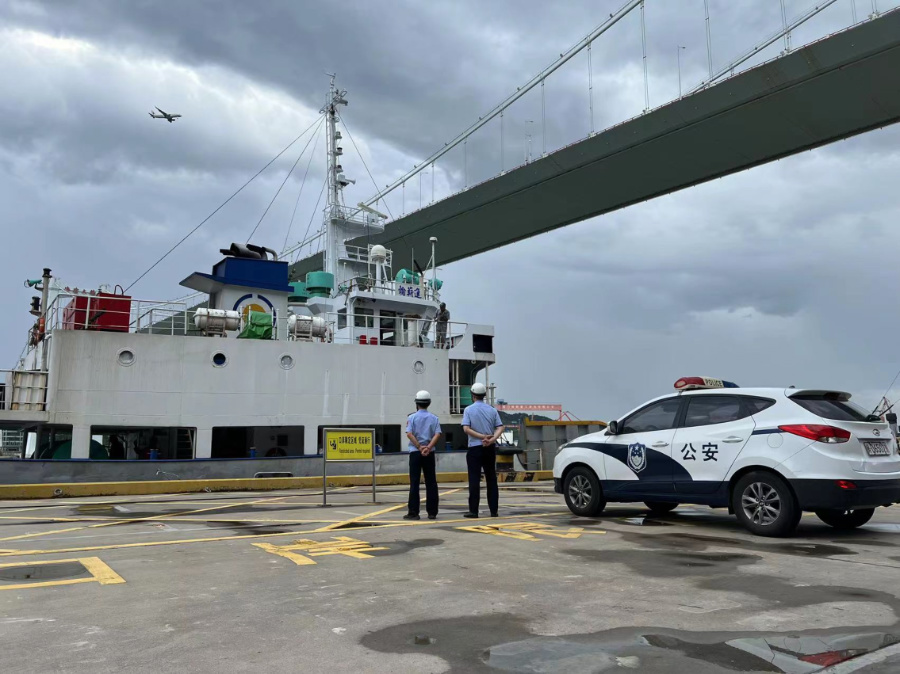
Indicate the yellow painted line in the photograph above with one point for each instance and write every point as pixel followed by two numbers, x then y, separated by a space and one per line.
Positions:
pixel 100 573
pixel 366 516
pixel 216 539
pixel 158 487
pixel 140 519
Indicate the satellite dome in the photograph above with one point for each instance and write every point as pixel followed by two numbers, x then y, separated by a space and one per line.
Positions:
pixel 378 253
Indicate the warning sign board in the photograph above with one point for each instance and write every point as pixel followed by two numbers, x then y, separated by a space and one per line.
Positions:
pixel 349 444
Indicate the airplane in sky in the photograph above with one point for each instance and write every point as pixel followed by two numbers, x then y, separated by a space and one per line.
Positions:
pixel 164 115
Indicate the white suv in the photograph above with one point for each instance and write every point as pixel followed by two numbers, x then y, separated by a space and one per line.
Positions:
pixel 766 454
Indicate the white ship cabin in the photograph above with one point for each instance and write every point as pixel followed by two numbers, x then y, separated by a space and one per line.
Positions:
pixel 252 367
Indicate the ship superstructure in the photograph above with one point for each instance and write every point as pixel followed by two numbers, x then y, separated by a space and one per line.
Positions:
pixel 252 367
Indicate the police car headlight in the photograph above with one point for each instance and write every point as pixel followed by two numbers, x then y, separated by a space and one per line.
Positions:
pixel 562 447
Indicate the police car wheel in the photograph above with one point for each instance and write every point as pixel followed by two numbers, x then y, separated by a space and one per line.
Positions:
pixel 845 519
pixel 583 493
pixel 765 505
pixel 659 508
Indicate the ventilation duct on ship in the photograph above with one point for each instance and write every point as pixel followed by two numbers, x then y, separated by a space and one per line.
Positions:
pixel 249 251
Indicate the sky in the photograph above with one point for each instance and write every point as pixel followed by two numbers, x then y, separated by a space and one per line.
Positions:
pixel 781 275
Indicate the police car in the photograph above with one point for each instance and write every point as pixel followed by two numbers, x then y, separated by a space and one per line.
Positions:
pixel 766 454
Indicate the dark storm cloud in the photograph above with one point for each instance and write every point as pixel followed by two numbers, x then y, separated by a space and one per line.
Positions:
pixel 761 277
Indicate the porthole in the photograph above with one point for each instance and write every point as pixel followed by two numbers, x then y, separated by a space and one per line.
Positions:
pixel 287 361
pixel 219 359
pixel 418 367
pixel 125 357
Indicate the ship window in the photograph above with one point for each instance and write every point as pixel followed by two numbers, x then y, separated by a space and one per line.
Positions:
pixel 287 361
pixel 133 443
pixel 364 318
pixel 388 437
pixel 53 442
pixel 125 357
pixel 261 442
pixel 219 359
pixel 482 343
pixel 342 318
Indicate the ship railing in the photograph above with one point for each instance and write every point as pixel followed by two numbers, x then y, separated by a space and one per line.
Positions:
pixel 78 310
pixel 461 397
pixel 364 328
pixel 405 290
pixel 23 390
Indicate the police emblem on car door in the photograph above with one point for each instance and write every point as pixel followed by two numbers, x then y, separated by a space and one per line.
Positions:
pixel 637 457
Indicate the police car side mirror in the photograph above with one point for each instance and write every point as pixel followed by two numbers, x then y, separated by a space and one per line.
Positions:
pixel 612 428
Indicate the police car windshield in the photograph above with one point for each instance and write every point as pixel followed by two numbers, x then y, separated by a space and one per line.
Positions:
pixel 830 406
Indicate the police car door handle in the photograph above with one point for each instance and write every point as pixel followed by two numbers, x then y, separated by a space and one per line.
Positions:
pixel 733 438
pixel 660 444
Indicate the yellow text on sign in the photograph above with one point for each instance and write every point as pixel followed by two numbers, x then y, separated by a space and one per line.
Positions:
pixel 341 545
pixel 343 444
pixel 99 573
pixel 526 531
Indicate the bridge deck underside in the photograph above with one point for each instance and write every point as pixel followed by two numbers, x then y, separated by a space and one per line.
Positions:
pixel 830 90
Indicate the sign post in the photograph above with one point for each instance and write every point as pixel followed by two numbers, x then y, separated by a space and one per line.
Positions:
pixel 347 445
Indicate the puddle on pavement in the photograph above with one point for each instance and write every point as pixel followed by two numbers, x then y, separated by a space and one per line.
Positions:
pixel 700 542
pixel 247 528
pixel 502 642
pixel 40 572
pixel 359 525
pixel 402 547
pixel 669 563
pixel 644 522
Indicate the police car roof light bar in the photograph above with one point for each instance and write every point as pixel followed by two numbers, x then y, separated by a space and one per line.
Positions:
pixel 691 383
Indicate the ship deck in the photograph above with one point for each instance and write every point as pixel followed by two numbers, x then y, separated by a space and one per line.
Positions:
pixel 269 581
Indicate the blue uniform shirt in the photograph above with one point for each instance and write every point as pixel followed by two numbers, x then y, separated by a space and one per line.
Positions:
pixel 424 425
pixel 481 418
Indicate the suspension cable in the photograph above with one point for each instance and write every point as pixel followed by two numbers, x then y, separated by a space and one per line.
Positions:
pixel 284 182
pixel 218 208
pixel 311 217
pixel 312 156
pixel 371 177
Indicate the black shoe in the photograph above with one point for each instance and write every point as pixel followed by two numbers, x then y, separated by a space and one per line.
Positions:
pixel 495 514
pixel 432 517
pixel 410 516
pixel 470 515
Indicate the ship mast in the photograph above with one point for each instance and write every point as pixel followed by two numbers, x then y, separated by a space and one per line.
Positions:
pixel 336 179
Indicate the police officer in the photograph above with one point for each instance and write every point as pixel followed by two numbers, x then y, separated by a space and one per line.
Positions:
pixel 482 424
pixel 423 430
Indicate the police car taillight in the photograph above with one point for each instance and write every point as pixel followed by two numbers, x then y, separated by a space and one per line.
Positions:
pixel 688 383
pixel 817 432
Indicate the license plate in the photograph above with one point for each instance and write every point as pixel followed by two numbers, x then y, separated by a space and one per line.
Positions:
pixel 876 447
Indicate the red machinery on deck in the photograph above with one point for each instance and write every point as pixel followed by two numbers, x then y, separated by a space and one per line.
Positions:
pixel 100 310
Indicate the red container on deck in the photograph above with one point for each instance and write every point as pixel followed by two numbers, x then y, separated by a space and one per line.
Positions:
pixel 373 341
pixel 363 340
pixel 103 311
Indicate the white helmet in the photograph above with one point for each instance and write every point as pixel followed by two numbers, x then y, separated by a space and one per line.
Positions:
pixel 479 389
pixel 423 397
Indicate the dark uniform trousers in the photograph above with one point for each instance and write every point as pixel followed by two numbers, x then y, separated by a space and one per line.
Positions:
pixel 478 459
pixel 419 464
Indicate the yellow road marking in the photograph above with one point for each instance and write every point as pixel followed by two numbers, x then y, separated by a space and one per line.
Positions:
pixel 148 544
pixel 142 519
pixel 100 573
pixel 341 545
pixel 527 531
pixel 366 516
